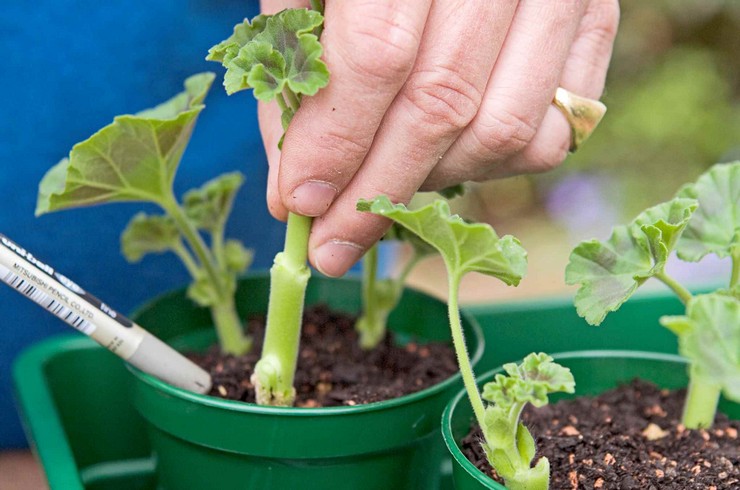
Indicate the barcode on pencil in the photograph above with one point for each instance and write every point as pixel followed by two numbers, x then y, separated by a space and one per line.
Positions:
pixel 40 297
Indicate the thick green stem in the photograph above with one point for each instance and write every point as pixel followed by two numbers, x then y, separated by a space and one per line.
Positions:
pixel 229 329
pixel 683 294
pixel 735 275
pixel 537 478
pixel 700 405
pixel 274 373
pixel 461 350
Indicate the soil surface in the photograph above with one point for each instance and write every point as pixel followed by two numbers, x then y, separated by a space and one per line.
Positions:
pixel 332 369
pixel 628 438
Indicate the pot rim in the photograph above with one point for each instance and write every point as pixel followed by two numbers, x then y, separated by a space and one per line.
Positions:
pixel 239 406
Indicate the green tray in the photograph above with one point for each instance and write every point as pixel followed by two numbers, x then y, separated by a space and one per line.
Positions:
pixel 74 396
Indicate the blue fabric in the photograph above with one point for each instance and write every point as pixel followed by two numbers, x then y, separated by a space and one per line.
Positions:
pixel 68 68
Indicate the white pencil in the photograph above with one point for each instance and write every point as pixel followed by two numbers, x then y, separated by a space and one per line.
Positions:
pixel 57 294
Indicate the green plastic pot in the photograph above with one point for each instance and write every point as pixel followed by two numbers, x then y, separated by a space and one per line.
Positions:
pixel 74 396
pixel 205 442
pixel 595 372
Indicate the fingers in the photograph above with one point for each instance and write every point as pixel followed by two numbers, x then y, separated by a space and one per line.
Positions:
pixel 584 74
pixel 269 7
pixel 519 92
pixel 370 47
pixel 440 98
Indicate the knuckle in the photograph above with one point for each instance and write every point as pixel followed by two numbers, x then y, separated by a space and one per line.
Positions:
pixel 383 46
pixel 601 22
pixel 541 159
pixel 504 132
pixel 344 146
pixel 443 97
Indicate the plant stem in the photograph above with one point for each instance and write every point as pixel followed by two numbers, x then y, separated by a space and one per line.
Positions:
pixel 196 243
pixel 369 325
pixel 735 276
pixel 228 326
pixel 229 329
pixel 461 350
pixel 292 100
pixel 683 294
pixel 318 6
pixel 275 371
pixel 700 405
pixel 184 255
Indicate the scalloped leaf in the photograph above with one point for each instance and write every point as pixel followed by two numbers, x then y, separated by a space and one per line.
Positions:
pixel 715 226
pixel 709 336
pixel 209 206
pixel 284 53
pixel 146 234
pixel 610 272
pixel 133 159
pixel 465 247
pixel 529 382
pixel 238 258
pixel 243 33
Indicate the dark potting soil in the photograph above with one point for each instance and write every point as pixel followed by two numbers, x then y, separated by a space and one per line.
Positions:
pixel 332 369
pixel 627 438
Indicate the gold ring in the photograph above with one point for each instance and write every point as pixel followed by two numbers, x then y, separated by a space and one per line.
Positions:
pixel 583 115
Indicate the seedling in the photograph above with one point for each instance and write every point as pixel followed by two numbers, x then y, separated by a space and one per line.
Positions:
pixel 703 218
pixel 467 247
pixel 136 158
pixel 278 56
pixel 509 446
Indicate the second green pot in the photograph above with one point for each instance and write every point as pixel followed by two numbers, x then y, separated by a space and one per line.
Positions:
pixel 205 442
pixel 594 372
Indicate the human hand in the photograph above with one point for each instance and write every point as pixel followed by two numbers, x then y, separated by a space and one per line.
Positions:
pixel 426 94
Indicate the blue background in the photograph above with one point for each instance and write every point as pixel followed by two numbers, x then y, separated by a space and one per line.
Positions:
pixel 67 68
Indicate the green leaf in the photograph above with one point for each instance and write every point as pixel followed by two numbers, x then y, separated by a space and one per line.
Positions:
pixel 398 232
pixel 243 33
pixel 529 382
pixel 610 272
pixel 274 52
pixel 709 336
pixel 204 292
pixel 209 206
pixel 237 257
pixel 133 159
pixel 149 234
pixel 715 226
pixel 497 428
pixel 465 247
pixel 525 444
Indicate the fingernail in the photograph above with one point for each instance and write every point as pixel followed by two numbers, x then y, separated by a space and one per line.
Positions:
pixel 313 198
pixel 335 257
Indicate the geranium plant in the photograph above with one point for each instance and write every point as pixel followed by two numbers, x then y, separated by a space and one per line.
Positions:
pixel 703 218
pixel 467 247
pixel 136 158
pixel 278 57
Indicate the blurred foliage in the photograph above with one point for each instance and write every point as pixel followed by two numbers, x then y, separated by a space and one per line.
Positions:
pixel 673 98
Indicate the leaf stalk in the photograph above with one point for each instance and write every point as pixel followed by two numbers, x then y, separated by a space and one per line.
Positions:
pixel 683 294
